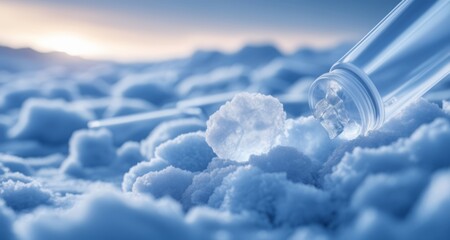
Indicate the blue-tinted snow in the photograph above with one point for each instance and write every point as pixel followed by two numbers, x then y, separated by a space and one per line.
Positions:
pixel 255 167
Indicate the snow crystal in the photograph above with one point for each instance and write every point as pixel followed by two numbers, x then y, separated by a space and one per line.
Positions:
pixel 249 124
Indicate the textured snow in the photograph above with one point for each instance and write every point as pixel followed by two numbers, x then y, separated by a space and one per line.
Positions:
pixel 256 166
pixel 169 130
pixel 188 151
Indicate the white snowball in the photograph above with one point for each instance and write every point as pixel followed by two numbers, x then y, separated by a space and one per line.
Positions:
pixel 249 124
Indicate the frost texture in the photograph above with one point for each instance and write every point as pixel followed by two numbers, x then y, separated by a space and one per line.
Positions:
pixel 249 124
pixel 22 193
pixel 167 182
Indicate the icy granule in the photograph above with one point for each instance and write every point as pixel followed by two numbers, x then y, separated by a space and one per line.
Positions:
pixel 249 124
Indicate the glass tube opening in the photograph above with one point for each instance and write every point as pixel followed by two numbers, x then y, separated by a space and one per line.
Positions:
pixel 344 104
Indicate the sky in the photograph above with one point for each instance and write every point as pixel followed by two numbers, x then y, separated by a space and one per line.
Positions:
pixel 135 30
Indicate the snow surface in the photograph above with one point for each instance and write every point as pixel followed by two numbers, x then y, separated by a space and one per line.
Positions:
pixel 257 166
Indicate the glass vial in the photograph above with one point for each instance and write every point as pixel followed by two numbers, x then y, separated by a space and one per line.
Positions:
pixel 397 62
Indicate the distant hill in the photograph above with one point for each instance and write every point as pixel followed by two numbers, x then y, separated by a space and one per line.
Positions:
pixel 27 59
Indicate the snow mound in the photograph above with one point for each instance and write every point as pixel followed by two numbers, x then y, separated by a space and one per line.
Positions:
pixel 188 151
pixel 141 169
pixel 93 218
pixel 50 122
pixel 153 90
pixel 169 130
pixel 170 181
pixel 22 193
pixel 89 149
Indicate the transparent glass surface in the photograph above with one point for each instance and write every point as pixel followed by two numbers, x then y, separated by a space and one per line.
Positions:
pixel 404 56
pixel 407 53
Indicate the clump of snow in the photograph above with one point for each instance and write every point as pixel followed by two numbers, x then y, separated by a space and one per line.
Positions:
pixel 108 215
pixel 89 149
pixel 309 137
pixel 296 166
pixel 22 193
pixel 401 126
pixel 271 196
pixel 169 130
pixel 248 124
pixel 170 181
pixel 154 90
pixel 51 122
pixel 204 184
pixel 188 151
pixel 141 169
pixel 424 149
pixel 384 191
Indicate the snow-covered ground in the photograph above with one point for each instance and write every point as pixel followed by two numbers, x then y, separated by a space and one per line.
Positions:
pixel 257 166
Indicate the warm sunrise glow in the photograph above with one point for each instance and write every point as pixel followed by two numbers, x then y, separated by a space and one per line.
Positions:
pixel 68 43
